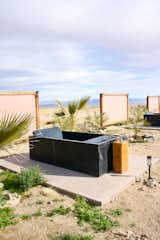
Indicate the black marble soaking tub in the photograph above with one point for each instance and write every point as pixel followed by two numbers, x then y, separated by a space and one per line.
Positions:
pixel 83 152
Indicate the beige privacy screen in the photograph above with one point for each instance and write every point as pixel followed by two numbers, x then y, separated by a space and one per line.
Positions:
pixel 114 107
pixel 153 104
pixel 20 102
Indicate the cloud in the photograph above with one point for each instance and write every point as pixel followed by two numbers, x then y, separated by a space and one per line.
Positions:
pixel 126 24
pixel 71 48
pixel 86 83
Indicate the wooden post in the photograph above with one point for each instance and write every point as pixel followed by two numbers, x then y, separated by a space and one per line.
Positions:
pixel 127 106
pixel 147 105
pixel 37 109
pixel 101 109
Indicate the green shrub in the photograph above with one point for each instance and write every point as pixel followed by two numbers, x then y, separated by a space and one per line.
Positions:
pixel 116 212
pixel 3 175
pixel 10 181
pixel 3 200
pixel 26 217
pixel 70 237
pixel 30 177
pixel 57 200
pixel 21 182
pixel 38 213
pixel 93 122
pixel 92 215
pixel 7 217
pixel 58 211
pixel 66 116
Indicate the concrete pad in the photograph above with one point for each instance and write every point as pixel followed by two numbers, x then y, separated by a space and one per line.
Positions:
pixel 98 190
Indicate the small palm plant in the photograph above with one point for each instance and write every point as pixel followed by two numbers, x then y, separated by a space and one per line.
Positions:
pixel 66 116
pixel 12 126
pixel 137 113
pixel 93 122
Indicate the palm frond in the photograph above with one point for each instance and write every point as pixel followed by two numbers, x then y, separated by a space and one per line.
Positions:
pixel 83 102
pixel 12 126
pixel 60 106
pixel 66 116
pixel 72 107
pixel 60 114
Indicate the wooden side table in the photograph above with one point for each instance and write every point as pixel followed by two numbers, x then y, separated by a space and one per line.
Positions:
pixel 120 157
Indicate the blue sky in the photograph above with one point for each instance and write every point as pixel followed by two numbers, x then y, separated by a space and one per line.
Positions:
pixel 67 49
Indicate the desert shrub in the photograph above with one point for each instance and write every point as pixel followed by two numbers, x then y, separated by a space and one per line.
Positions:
pixel 26 217
pixel 93 122
pixel 7 217
pixel 38 213
pixel 3 175
pixel 10 181
pixel 3 200
pixel 30 177
pixel 116 212
pixel 66 116
pixel 59 211
pixel 70 237
pixel 57 200
pixel 137 113
pixel 86 213
pixel 21 182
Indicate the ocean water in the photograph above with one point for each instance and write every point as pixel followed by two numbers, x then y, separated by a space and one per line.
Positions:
pixel 93 102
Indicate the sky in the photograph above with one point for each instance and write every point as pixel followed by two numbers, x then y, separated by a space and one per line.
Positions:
pixel 68 49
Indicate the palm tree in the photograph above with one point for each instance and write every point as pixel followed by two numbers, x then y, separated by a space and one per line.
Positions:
pixel 12 126
pixel 66 116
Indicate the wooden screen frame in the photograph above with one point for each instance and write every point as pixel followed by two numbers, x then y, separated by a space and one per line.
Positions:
pixel 101 107
pixel 147 104
pixel 36 94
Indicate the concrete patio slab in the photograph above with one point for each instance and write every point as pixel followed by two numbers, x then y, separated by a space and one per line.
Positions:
pixel 98 190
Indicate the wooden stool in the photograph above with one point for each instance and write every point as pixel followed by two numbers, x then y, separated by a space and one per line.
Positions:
pixel 120 157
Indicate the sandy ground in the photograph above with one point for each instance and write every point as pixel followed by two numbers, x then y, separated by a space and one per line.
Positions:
pixel 140 206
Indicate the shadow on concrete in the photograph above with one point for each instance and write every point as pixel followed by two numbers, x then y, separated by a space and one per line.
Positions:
pixel 23 161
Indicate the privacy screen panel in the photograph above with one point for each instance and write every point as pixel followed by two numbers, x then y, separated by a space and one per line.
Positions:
pixel 114 107
pixel 153 104
pixel 20 102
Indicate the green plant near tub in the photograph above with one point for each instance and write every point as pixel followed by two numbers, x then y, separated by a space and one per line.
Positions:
pixel 21 182
pixel 136 130
pixel 138 112
pixel 30 177
pixel 86 213
pixel 116 212
pixel 26 217
pixel 93 123
pixel 10 182
pixel 58 211
pixel 3 200
pixel 66 116
pixel 12 126
pixel 7 217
